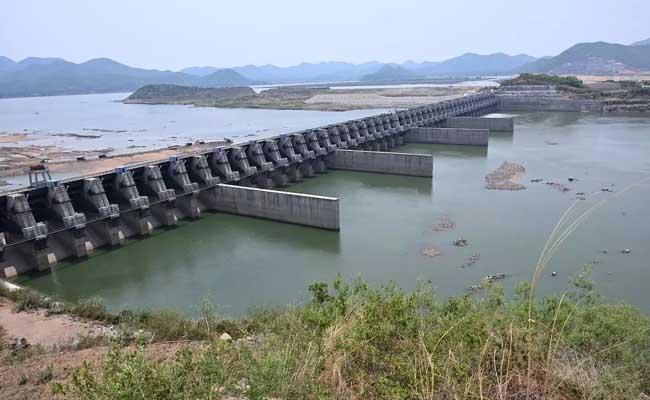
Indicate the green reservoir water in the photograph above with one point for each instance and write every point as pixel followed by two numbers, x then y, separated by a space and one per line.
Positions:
pixel 386 222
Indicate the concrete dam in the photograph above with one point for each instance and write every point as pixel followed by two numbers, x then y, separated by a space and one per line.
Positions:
pixel 51 220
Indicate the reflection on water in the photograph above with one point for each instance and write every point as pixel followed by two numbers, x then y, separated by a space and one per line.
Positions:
pixel 386 222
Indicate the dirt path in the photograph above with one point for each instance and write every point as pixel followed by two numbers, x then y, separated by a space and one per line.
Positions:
pixel 46 331
pixel 34 377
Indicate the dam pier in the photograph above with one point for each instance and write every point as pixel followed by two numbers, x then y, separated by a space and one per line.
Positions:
pixel 52 220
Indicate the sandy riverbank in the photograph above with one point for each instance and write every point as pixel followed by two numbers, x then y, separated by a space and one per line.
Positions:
pixel 325 99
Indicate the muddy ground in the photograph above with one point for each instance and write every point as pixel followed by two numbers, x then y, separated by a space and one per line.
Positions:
pixel 48 331
pixel 54 352
pixel 34 377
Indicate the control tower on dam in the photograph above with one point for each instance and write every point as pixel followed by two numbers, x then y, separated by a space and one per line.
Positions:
pixel 51 220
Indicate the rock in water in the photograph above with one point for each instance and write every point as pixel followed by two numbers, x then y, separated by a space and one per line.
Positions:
pixel 444 224
pixel 505 177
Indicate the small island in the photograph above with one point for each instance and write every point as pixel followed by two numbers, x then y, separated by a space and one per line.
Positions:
pixel 176 94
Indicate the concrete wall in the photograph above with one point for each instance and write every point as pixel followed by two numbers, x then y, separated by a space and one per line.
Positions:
pixel 472 137
pixel 492 124
pixel 382 162
pixel 526 103
pixel 294 208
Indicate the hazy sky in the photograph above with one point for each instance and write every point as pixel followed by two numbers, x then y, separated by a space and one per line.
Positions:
pixel 168 34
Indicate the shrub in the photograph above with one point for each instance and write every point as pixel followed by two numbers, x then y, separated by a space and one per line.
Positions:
pixel 352 341
pixel 92 309
pixel 45 375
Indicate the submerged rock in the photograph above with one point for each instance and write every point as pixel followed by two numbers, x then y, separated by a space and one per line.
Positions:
pixel 471 260
pixel 492 278
pixel 486 281
pixel 460 242
pixel 505 177
pixel 444 224
pixel 558 186
pixel 431 252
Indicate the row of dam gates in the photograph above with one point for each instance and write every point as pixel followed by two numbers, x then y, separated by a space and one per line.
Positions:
pixel 54 220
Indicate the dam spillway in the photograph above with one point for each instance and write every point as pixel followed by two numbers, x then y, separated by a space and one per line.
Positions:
pixel 56 220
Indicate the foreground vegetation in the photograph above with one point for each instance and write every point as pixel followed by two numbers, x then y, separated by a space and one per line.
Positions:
pixel 351 341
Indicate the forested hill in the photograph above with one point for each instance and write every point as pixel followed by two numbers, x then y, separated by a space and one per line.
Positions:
pixel 594 58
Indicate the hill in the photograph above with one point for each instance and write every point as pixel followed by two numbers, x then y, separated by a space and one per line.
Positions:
pixel 476 64
pixel 645 42
pixel 175 94
pixel 55 76
pixel 224 77
pixel 331 71
pixel 199 71
pixel 597 58
pixel 390 72
pixel 6 63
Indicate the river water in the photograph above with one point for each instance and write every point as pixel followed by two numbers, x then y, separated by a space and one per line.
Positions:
pixel 102 122
pixel 386 224
pixel 128 128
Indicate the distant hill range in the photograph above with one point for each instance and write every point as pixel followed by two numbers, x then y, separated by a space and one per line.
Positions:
pixel 642 43
pixel 473 64
pixel 391 72
pixel 599 58
pixel 55 76
pixel 330 71
pixel 465 65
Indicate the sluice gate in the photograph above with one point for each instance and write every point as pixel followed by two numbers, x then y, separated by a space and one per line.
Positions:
pixel 55 220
